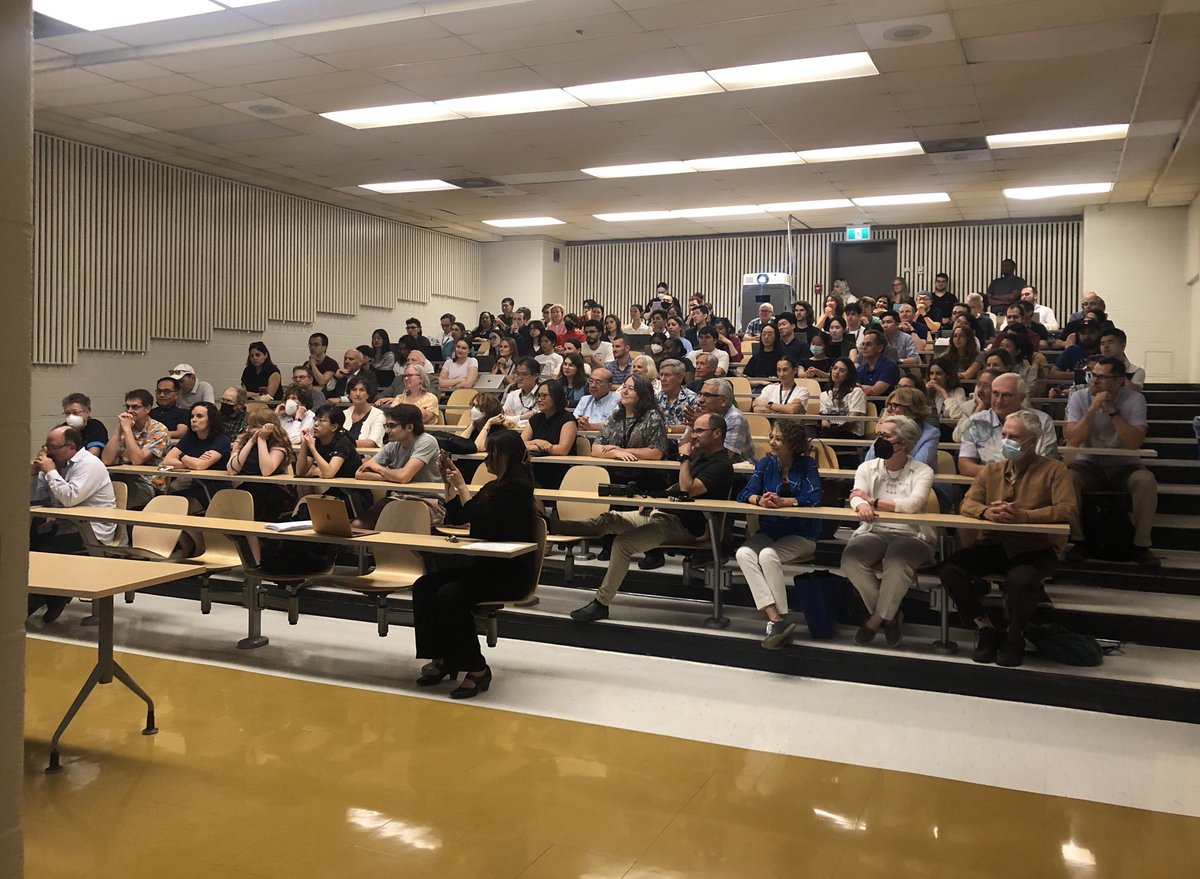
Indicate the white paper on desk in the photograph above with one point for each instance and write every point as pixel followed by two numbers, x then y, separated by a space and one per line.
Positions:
pixel 495 546
pixel 290 526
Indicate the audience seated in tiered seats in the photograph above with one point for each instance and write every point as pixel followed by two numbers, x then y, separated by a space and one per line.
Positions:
pixel 982 436
pixel 77 414
pixel 167 411
pixel 139 440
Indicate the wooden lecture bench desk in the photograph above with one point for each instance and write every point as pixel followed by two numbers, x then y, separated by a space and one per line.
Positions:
pixel 241 530
pixel 98 580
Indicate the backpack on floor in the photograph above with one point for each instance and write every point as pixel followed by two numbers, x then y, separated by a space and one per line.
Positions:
pixel 1107 526
pixel 1061 645
pixel 822 598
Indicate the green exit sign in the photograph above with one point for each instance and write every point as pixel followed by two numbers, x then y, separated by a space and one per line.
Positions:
pixel 858 233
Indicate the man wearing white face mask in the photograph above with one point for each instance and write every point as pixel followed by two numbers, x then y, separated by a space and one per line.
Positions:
pixel 1022 488
pixel 77 413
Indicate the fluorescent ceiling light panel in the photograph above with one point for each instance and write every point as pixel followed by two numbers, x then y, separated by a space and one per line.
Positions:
pixel 800 70
pixel 646 169
pixel 733 163
pixel 878 201
pixel 869 151
pixel 234 4
pixel 518 222
pixel 634 216
pixel 1057 135
pixel 536 101
pixel 649 88
pixel 408 186
pixel 394 114
pixel 736 210
pixel 95 15
pixel 820 205
pixel 1024 193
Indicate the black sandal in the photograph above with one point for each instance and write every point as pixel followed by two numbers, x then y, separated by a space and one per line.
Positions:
pixel 432 673
pixel 472 686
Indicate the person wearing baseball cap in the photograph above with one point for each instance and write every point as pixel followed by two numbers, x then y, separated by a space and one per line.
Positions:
pixel 191 390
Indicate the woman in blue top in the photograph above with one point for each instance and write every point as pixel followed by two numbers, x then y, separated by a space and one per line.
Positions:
pixel 785 478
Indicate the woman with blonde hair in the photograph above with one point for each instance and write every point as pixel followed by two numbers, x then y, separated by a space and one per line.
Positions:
pixel 643 364
pixel 264 449
pixel 912 403
pixel 415 384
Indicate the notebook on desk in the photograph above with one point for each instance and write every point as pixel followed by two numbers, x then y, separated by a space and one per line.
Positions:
pixel 329 517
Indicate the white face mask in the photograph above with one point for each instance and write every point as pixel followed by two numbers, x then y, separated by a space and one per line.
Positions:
pixel 75 421
pixel 656 348
pixel 476 413
pixel 290 407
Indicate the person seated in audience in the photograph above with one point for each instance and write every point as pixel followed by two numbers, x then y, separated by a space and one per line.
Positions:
pixel 912 403
pixel 487 322
pixel 414 332
pixel 327 450
pixel 852 316
pixel 703 368
pixel 945 391
pixel 65 474
pixel 1088 303
pixel 191 389
pixel 982 442
pixel 672 349
pixel 635 430
pixel 506 359
pixel 899 341
pixel 545 313
pixel 805 320
pixel 766 312
pixel 867 304
pixel 458 330
pixel 675 331
pixel 985 326
pixel 520 403
pixel 571 322
pixel 594 410
pixel 658 323
pixel 831 309
pixel 1112 344
pixel 674 399
pixel 728 339
pixel 816 365
pixel 574 379
pixel 877 373
pixel 232 407
pixel 1084 345
pixel 323 367
pixel 296 412
pixel 461 370
pixel 943 300
pixel 507 312
pixel 636 325
pixel 570 346
pixel 1000 360
pixel 382 361
pixel 409 454
pixel 444 601
pixel 911 325
pixel 761 366
pixel 841 289
pixel 364 422
pixel 1106 414
pixel 551 431
pixel 843 397
pixel 557 322
pixel 980 401
pixel 790 341
pixel 612 327
pixel 716 398
pixel 261 377
pixel 302 377
pixel 77 414
pixel 139 440
pixel 415 392
pixel 1024 363
pixel 263 449
pixel 417 358
pixel 837 344
pixel 785 478
pixel 535 329
pixel 963 354
pixel 520 332
pixel 205 446
pixel 438 339
pixel 707 339
pixel 926 316
pixel 698 316
pixel 621 364
pixel 166 410
pixel 892 481
pixel 1042 314
pixel 784 396
pixel 354 364
pixel 1015 324
pixel 643 364
pixel 549 361
pixel 1021 488
pixel 900 293
pixel 484 408
pixel 705 471
pixel 493 340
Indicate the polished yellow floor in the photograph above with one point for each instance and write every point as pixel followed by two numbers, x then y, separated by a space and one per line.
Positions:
pixel 260 776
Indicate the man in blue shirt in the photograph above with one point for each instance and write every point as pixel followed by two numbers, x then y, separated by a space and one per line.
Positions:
pixel 600 403
pixel 877 374
pixel 622 364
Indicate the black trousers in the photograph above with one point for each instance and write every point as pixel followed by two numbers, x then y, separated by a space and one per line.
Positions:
pixel 443 610
pixel 1023 575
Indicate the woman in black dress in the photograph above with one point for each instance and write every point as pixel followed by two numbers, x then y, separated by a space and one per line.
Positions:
pixel 261 377
pixel 444 601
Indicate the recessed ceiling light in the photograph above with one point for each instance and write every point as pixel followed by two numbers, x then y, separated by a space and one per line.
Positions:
pixel 733 163
pixel 634 216
pixel 869 151
pixel 907 33
pixel 408 186
pixel 736 210
pixel 646 169
pixel 1057 135
pixel 873 201
pixel 536 101
pixel 1031 192
pixel 799 70
pixel 394 114
pixel 649 88
pixel 93 15
pixel 819 205
pixel 518 222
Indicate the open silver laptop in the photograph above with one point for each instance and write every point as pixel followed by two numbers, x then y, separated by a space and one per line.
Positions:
pixel 329 517
pixel 489 382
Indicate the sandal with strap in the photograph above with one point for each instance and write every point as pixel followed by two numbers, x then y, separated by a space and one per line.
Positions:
pixel 472 686
pixel 433 673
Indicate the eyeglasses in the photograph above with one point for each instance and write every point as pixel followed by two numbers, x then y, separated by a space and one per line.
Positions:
pixel 164 390
pixel 390 425
pixel 711 394
pixel 543 396
pixel 895 407
pixel 130 407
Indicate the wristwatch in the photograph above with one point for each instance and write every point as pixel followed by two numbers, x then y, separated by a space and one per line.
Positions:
pixel 685 457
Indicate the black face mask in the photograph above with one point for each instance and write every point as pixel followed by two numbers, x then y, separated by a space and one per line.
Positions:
pixel 226 408
pixel 883 448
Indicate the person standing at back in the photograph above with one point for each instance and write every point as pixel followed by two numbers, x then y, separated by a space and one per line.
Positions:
pixel 1006 289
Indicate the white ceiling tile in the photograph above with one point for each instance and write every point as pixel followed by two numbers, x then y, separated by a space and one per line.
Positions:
pixel 918 57
pixel 354 39
pixel 662 17
pixel 240 57
pixel 264 73
pixel 528 14
pixel 1035 15
pixel 171 84
pixel 71 78
pixel 96 94
pixel 192 27
pixel 382 95
pixel 400 54
pixel 78 44
pixel 577 31
pixel 191 117
pixel 877 10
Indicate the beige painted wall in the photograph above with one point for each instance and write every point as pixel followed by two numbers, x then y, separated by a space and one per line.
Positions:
pixel 15 286
pixel 523 268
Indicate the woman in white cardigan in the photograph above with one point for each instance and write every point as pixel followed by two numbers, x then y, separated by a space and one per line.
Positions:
pixel 889 483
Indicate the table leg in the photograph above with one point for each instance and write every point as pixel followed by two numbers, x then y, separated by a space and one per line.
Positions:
pixel 103 673
pixel 250 598
pixel 943 646
pixel 717 579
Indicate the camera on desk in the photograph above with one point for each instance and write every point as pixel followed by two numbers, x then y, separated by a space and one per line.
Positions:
pixel 617 489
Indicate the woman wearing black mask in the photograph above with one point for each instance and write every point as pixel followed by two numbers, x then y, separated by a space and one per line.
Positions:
pixel 891 482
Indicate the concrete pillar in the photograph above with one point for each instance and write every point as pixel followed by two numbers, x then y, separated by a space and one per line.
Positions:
pixel 16 285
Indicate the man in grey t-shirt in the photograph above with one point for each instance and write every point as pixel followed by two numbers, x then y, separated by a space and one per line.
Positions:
pixel 409 455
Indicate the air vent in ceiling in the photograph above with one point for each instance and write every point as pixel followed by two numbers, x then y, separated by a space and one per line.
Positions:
pixel 954 144
pixel 476 183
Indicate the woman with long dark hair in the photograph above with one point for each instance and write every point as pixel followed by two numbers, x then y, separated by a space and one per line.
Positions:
pixel 964 353
pixel 761 366
pixel 261 376
pixel 844 397
pixel 573 378
pixel 444 601
pixel 383 361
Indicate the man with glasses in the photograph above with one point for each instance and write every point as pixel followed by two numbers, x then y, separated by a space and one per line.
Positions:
pixel 716 398
pixel 982 442
pixel 139 440
pixel 520 404
pixel 166 410
pixel 302 376
pixel 191 389
pixel 600 403
pixel 674 398
pixel 1109 415
pixel 705 471
pixel 409 454
pixel 412 328
pixel 446 321
pixel 77 413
